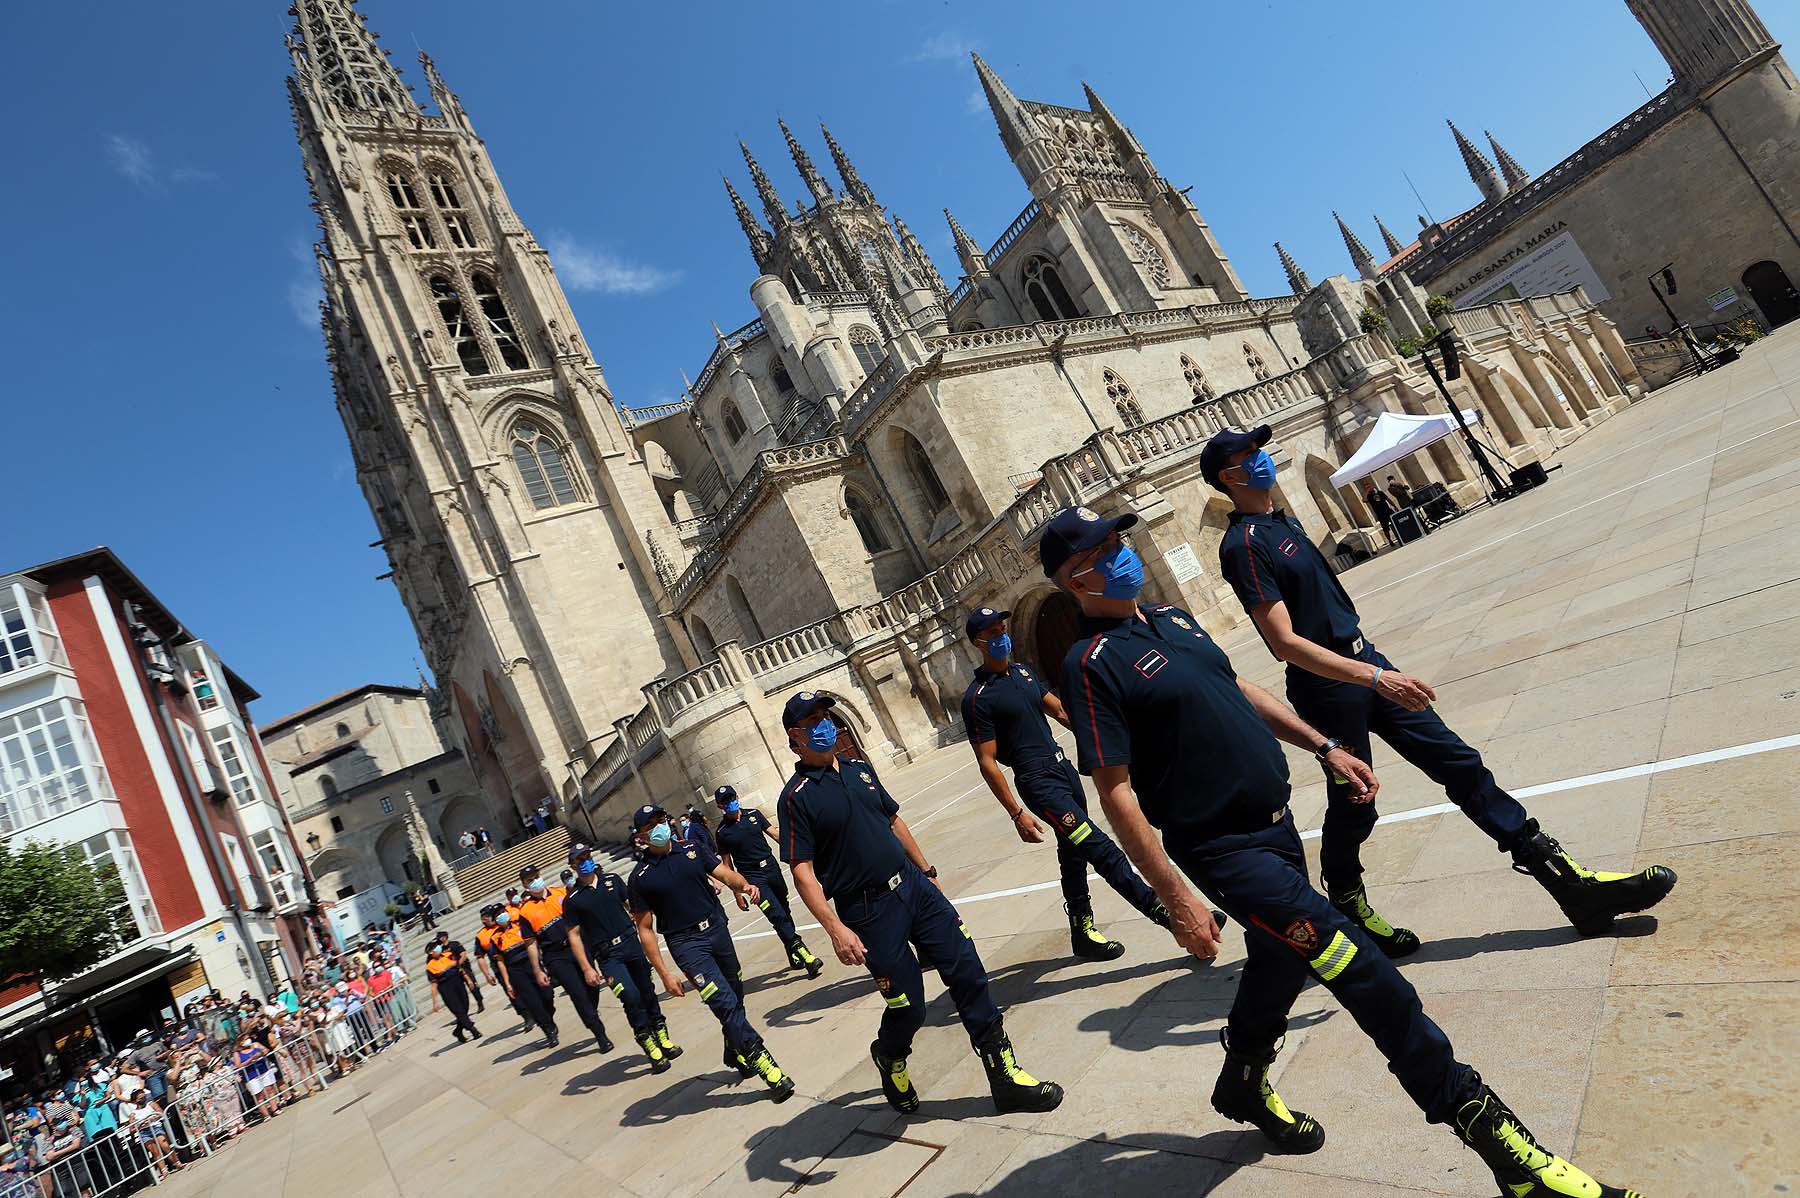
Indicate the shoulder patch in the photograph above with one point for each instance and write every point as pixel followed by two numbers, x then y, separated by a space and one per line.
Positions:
pixel 864 775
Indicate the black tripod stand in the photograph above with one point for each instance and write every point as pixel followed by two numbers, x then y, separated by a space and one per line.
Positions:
pixel 1445 343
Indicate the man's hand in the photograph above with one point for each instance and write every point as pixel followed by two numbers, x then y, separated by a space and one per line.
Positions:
pixel 1409 692
pixel 847 945
pixel 1028 828
pixel 1356 771
pixel 591 976
pixel 674 983
pixel 749 894
pixel 543 979
pixel 1191 923
pixel 742 902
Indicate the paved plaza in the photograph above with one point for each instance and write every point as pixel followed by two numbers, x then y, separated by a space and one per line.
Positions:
pixel 1624 647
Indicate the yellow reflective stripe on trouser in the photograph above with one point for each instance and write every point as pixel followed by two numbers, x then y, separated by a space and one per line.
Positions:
pixel 1336 957
pixel 618 988
pixel 711 989
pixel 1080 834
pixel 895 1002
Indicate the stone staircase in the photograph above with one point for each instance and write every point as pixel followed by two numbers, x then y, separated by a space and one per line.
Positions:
pixel 549 851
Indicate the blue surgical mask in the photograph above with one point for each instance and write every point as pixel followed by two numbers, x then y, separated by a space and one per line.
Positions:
pixel 587 868
pixel 1123 571
pixel 731 807
pixel 1259 470
pixel 661 835
pixel 1000 647
pixel 537 885
pixel 504 918
pixel 822 736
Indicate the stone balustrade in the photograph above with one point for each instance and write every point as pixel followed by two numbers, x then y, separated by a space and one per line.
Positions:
pixel 1181 430
pixel 677 694
pixel 638 417
pixel 837 299
pixel 765 657
pixel 1020 223
pixel 732 340
pixel 1258 402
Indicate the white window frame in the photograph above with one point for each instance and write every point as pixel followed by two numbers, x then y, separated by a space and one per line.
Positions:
pixel 238 772
pixel 28 636
pixel 49 763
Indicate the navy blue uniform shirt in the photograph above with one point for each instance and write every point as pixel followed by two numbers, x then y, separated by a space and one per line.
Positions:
pixel 696 831
pixel 1159 696
pixel 599 911
pixel 1269 559
pixel 676 886
pixel 743 839
pixel 842 821
pixel 1008 709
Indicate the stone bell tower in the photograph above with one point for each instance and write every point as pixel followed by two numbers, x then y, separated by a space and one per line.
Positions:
pixel 514 508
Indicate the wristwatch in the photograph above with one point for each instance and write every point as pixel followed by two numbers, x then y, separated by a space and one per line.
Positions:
pixel 931 871
pixel 1323 750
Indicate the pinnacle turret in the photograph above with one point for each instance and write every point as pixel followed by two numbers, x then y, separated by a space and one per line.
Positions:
pixel 915 253
pixel 337 61
pixel 967 252
pixel 809 174
pixel 1509 166
pixel 1297 279
pixel 1016 127
pixel 1480 169
pixel 1388 239
pixel 765 191
pixel 760 244
pixel 853 184
pixel 1359 253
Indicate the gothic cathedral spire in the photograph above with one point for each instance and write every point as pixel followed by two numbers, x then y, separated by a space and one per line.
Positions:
pixel 853 183
pixel 1359 253
pixel 1509 166
pixel 1480 169
pixel 809 174
pixel 765 191
pixel 966 250
pixel 760 244
pixel 1296 277
pixel 1015 125
pixel 337 61
pixel 1388 239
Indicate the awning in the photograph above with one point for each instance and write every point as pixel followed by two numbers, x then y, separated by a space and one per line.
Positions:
pixel 1394 437
pixel 125 972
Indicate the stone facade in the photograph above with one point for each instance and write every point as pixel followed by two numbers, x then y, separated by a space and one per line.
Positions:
pixel 343 769
pixel 616 600
pixel 1704 177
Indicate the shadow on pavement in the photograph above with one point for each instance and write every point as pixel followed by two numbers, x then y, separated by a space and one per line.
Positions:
pixel 1153 1163
pixel 616 1069
pixel 647 1112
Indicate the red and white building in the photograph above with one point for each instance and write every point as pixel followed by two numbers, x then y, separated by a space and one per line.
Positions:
pixel 122 732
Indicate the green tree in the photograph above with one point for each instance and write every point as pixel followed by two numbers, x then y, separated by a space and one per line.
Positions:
pixel 1372 320
pixel 58 913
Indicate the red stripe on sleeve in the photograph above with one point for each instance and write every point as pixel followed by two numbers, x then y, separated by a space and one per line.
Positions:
pixel 1251 554
pixel 1093 719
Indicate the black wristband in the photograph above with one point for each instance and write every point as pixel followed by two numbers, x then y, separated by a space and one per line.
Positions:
pixel 930 871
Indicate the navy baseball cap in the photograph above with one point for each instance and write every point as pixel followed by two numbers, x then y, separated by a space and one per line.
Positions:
pixel 724 795
pixel 982 620
pixel 1074 529
pixel 649 813
pixel 802 705
pixel 577 851
pixel 1226 442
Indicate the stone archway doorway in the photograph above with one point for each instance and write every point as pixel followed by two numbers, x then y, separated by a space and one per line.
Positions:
pixel 1053 630
pixel 1773 292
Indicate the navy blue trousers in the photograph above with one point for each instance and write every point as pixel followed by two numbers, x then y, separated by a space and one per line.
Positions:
pixel 1051 790
pixel 710 962
pixel 890 923
pixel 562 969
pixel 774 902
pixel 535 1002
pixel 627 973
pixel 1291 932
pixel 1351 712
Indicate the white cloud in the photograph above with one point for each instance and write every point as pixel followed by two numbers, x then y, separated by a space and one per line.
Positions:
pixel 583 268
pixel 303 290
pixel 975 104
pixel 133 158
pixel 945 47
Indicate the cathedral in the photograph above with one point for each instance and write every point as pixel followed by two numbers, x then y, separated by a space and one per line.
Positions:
pixel 614 601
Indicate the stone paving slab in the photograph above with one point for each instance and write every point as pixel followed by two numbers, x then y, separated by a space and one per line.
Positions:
pixel 1640 608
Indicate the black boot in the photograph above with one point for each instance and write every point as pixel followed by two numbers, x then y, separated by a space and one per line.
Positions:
pixel 667 1042
pixel 896 1084
pixel 659 1060
pixel 1012 1087
pixel 1521 1167
pixel 1589 899
pixel 1354 905
pixel 735 1060
pixel 1087 941
pixel 762 1064
pixel 1243 1094
pixel 801 957
pixel 604 1041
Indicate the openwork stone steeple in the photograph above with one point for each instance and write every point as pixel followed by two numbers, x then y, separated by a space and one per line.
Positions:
pixel 765 191
pixel 337 60
pixel 853 183
pixel 809 174
pixel 760 243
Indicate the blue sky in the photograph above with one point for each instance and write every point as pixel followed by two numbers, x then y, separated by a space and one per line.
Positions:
pixel 167 393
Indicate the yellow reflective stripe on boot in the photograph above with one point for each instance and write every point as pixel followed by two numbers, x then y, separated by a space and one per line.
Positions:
pixel 1080 834
pixel 897 1001
pixel 1336 957
pixel 710 989
pixel 1010 1063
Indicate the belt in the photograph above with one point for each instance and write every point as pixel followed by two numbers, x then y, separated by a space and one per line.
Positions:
pixel 870 892
pixel 1353 646
pixel 702 926
pixel 1249 825
pixel 761 864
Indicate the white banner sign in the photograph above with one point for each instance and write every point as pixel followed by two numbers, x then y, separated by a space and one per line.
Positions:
pixel 1553 265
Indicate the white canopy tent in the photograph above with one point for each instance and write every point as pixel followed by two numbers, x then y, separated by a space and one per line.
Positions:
pixel 1394 436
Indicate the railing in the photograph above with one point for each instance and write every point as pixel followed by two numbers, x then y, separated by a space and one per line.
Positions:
pixel 1210 317
pixel 874 389
pixel 1019 225
pixel 1178 431
pixel 694 528
pixel 682 692
pixel 778 651
pixel 731 341
pixel 1272 395
pixel 837 299
pixel 961 293
pixel 638 417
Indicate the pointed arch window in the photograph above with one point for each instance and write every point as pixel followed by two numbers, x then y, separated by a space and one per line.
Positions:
pixel 499 322
pixel 449 205
pixel 1254 360
pixel 1196 379
pixel 542 467
pixel 1156 267
pixel 874 539
pixel 1131 412
pixel 867 348
pixel 1044 288
pixel 918 464
pixel 405 199
pixel 733 420
pixel 456 323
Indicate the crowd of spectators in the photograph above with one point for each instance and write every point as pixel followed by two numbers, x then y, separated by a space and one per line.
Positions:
pixel 181 1090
